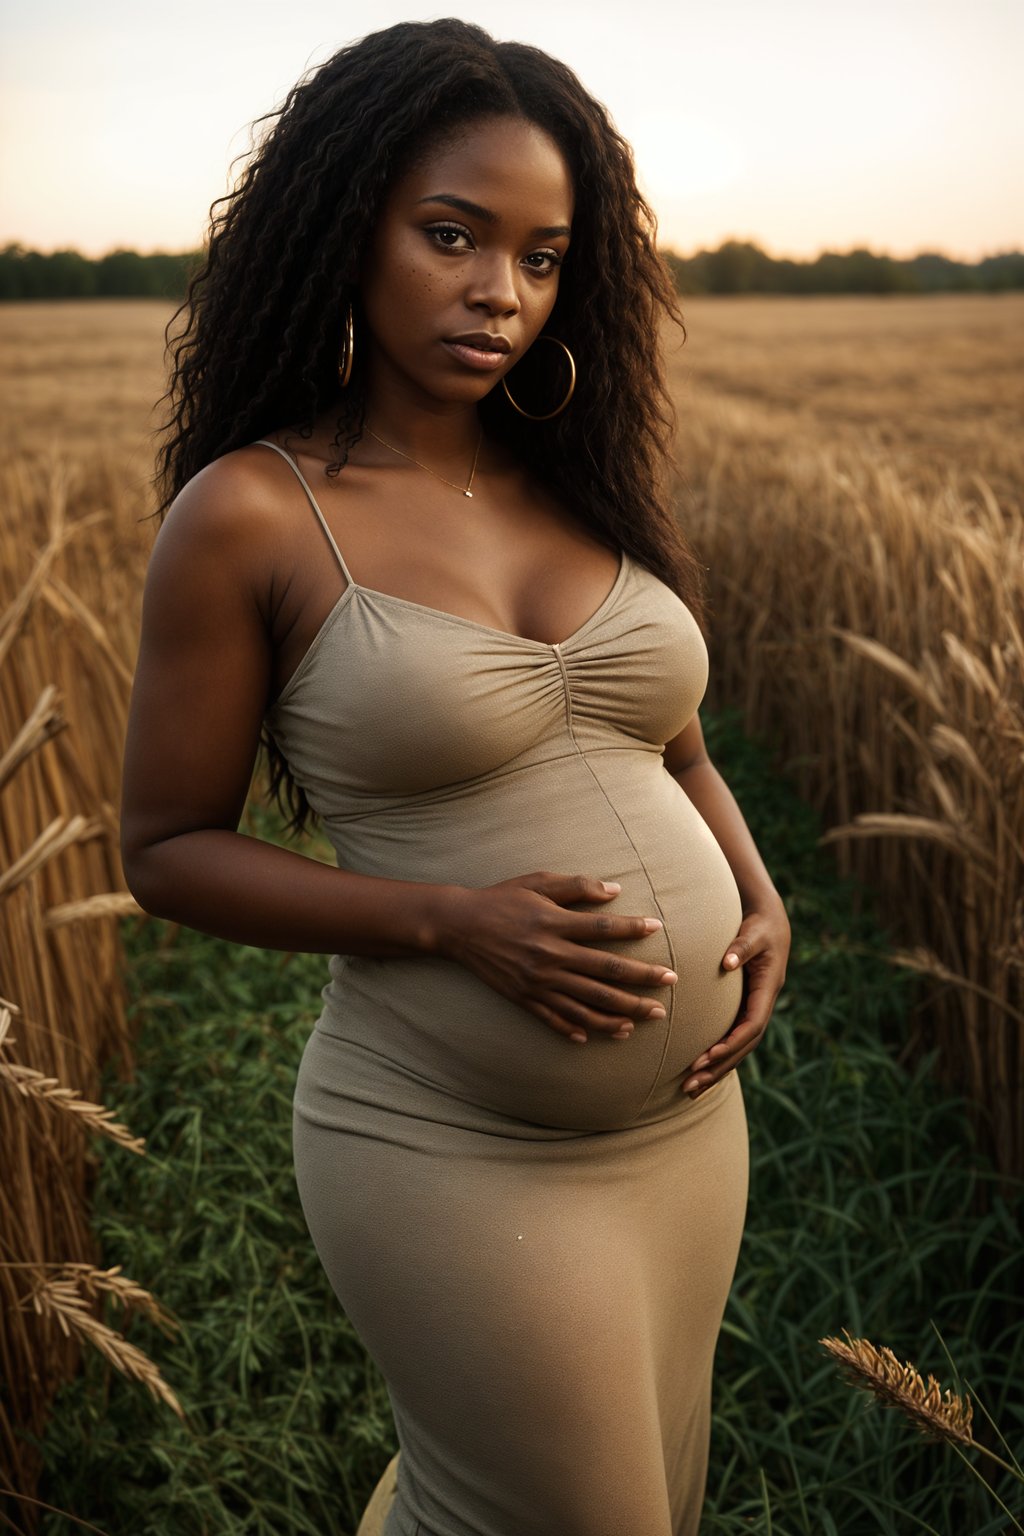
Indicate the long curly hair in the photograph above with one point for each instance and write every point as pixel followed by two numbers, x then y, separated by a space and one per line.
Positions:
pixel 258 347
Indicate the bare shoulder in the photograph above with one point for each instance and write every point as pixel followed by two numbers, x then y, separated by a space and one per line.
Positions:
pixel 231 508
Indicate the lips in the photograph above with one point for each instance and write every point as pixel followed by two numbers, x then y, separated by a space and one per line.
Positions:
pixel 481 341
pixel 479 350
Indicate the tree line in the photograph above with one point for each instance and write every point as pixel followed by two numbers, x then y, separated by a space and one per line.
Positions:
pixel 741 267
pixel 26 274
pixel 735 267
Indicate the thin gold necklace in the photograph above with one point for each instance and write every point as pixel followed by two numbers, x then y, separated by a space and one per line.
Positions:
pixel 467 489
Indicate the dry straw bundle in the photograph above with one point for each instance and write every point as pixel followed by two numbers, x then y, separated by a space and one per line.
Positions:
pixel 67 637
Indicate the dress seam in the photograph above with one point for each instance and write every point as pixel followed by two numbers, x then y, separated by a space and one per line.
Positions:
pixel 670 1012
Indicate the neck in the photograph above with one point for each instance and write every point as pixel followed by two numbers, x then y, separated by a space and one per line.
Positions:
pixel 438 431
pixel 437 440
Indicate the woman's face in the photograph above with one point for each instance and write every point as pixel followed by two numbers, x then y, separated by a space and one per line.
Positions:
pixel 462 271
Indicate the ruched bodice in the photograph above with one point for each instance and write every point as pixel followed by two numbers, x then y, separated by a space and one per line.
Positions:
pixel 422 701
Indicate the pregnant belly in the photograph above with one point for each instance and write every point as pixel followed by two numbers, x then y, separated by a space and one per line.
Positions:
pixel 617 815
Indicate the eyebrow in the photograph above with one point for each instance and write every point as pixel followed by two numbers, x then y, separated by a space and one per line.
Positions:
pixel 544 232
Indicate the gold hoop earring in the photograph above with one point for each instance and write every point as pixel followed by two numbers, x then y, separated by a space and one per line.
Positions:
pixel 530 416
pixel 348 350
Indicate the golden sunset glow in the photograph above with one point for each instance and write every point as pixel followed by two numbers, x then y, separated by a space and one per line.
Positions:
pixel 801 126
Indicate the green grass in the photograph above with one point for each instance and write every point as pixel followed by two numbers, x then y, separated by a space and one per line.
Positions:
pixel 869 1209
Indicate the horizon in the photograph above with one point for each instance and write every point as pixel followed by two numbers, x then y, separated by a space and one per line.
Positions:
pixel 662 246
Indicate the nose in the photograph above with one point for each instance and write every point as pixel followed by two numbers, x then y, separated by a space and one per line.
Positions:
pixel 494 284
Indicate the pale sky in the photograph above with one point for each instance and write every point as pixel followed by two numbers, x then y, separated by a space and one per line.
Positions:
pixel 803 125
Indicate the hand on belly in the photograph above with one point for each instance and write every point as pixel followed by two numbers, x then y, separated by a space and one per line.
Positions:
pixel 521 939
pixel 762 946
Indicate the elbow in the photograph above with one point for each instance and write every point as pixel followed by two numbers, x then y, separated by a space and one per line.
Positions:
pixel 140 890
pixel 141 873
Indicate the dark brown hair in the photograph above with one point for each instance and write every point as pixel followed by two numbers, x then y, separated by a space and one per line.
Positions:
pixel 258 349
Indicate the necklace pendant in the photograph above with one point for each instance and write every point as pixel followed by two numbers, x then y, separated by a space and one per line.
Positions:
pixel 469 494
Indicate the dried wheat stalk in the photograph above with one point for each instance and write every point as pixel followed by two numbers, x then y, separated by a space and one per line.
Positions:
pixel 96 1282
pixel 32 1084
pixel 104 904
pixel 14 615
pixel 60 834
pixel 45 722
pixel 66 602
pixel 938 1415
pixel 900 1386
pixel 68 630
pixel 63 1302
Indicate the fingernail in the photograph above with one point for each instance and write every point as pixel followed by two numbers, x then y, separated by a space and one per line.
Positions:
pixel 651 923
pixel 657 1012
pixel 611 885
pixel 668 976
pixel 691 1085
pixel 580 1039
pixel 732 959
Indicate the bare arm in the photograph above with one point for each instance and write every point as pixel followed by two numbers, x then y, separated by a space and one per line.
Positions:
pixel 687 760
pixel 763 940
pixel 201 687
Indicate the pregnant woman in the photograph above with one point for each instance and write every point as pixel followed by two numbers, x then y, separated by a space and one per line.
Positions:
pixel 418 544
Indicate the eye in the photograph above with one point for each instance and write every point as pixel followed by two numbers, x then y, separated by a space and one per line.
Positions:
pixel 544 262
pixel 447 236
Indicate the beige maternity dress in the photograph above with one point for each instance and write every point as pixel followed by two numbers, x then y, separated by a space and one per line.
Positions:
pixel 535 1240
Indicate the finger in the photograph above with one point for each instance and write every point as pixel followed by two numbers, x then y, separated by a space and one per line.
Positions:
pixel 752 1022
pixel 747 1032
pixel 695 1093
pixel 593 927
pixel 605 965
pixel 742 949
pixel 709 1075
pixel 586 973
pixel 695 1086
pixel 757 1009
pixel 553 1020
pixel 608 1000
pixel 749 1027
pixel 728 1054
pixel 569 888
pixel 596 993
pixel 583 1018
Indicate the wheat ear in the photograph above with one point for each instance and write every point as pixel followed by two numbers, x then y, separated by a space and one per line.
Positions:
pixel 35 1085
pixel 937 1415
pixel 900 1386
pixel 96 1282
pixel 62 1301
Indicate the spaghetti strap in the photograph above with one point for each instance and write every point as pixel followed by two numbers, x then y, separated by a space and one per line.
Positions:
pixel 313 503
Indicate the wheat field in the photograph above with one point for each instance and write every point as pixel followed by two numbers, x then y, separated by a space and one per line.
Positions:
pixel 850 471
pixel 935 383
